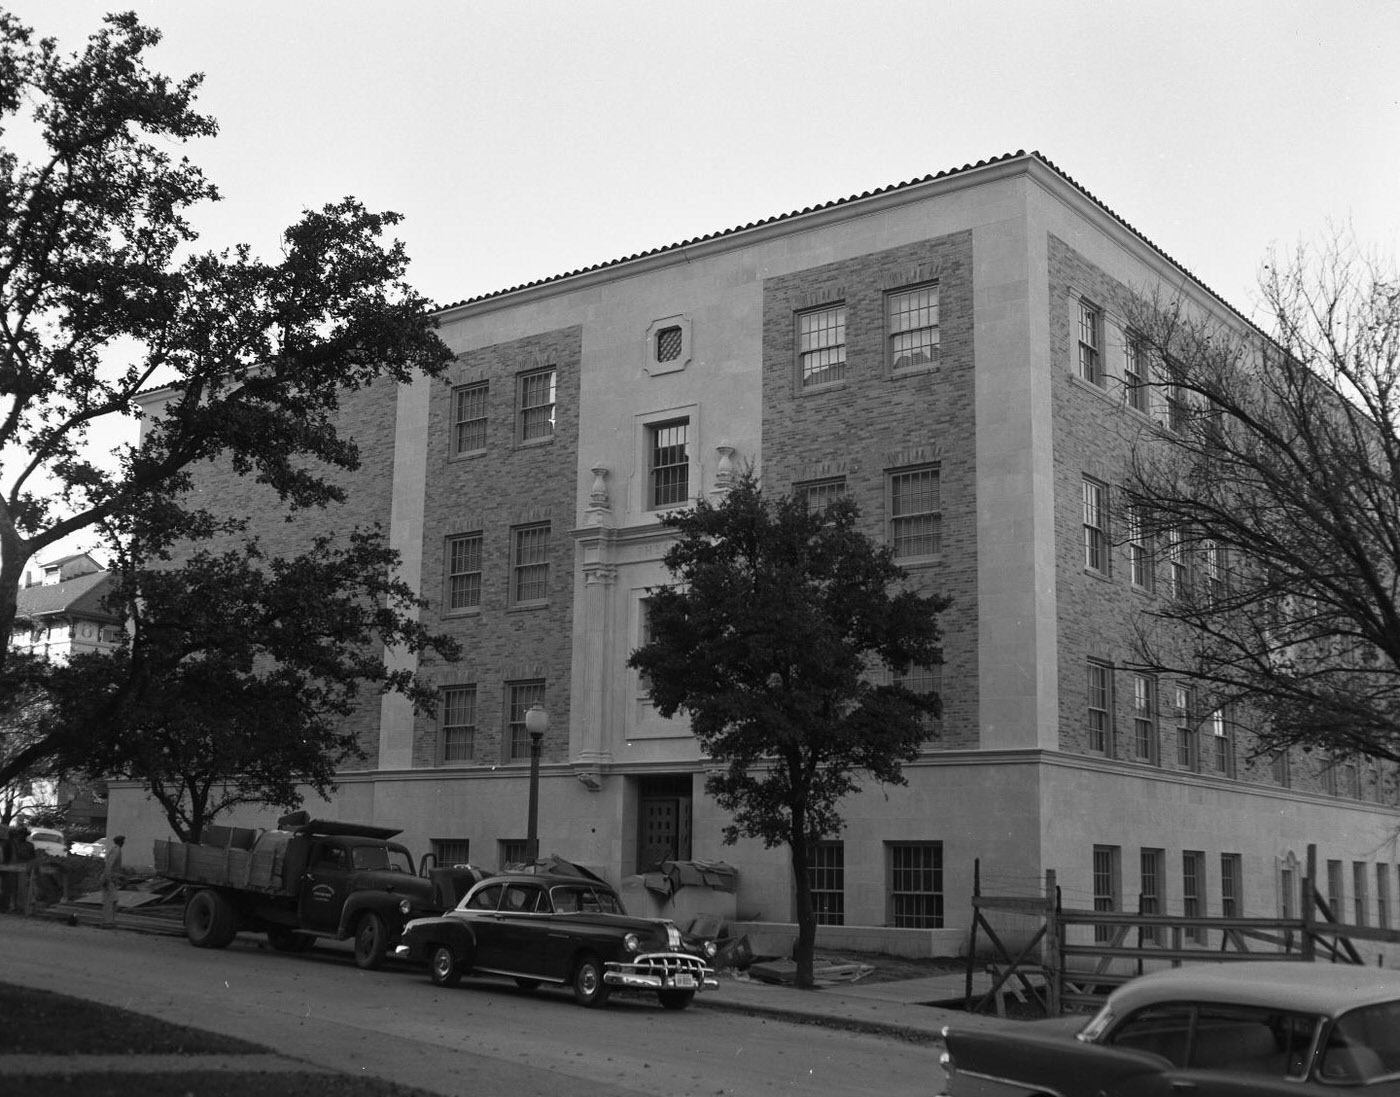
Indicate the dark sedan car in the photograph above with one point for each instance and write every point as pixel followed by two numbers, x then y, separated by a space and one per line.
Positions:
pixel 565 930
pixel 1210 1030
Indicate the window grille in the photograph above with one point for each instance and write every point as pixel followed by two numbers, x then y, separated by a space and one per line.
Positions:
pixel 469 418
pixel 668 344
pixel 827 873
pixel 1193 875
pixel 1230 903
pixel 915 513
pixel 818 494
pixel 821 345
pixel 913 327
pixel 464 572
pixel 530 566
pixel 459 723
pixel 1106 884
pixel 670 463
pixel 916 885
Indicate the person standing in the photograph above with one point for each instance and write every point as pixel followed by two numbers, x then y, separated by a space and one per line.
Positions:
pixel 111 881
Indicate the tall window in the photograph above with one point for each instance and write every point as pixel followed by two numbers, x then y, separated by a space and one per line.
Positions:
pixel 519 697
pixel 1178 409
pixel 1107 867
pixel 1193 891
pixel 922 679
pixel 464 572
pixel 1359 887
pixel 827 873
pixel 1090 341
pixel 1286 888
pixel 916 515
pixel 913 327
pixel 1139 552
pixel 1213 568
pixel 1095 526
pixel 469 418
pixel 915 885
pixel 1231 904
pixel 1176 564
pixel 817 494
pixel 669 459
pixel 1100 707
pixel 529 564
pixel 1334 890
pixel 1182 705
pixel 1383 896
pixel 537 405
pixel 1145 718
pixel 821 345
pixel 1150 891
pixel 1134 376
pixel 1279 765
pixel 459 723
pixel 1222 749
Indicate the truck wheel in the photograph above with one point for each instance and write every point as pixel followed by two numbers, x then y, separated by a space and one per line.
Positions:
pixel 210 921
pixel 371 941
pixel 289 940
pixel 589 988
pixel 444 969
pixel 675 999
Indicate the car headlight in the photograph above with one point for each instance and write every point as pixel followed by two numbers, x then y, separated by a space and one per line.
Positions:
pixel 405 907
pixel 711 950
pixel 632 943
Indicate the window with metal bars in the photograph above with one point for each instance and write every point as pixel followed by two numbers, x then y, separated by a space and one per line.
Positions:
pixel 1150 890
pixel 529 564
pixel 1090 341
pixel 669 470
pixel 821 346
pixel 1193 891
pixel 459 723
pixel 912 316
pixel 668 344
pixel 537 392
pixel 464 572
pixel 1107 861
pixel 1359 873
pixel 827 874
pixel 519 697
pixel 1100 707
pixel 916 513
pixel 1334 889
pixel 915 885
pixel 469 418
pixel 1231 905
pixel 452 851
pixel 512 851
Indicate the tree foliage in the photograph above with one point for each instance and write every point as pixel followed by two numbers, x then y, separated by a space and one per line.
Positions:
pixel 774 641
pixel 102 296
pixel 237 676
pixel 1274 496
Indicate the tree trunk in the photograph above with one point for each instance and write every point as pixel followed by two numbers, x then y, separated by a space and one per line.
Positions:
pixel 802 952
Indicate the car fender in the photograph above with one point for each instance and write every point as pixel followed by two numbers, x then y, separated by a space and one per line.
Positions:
pixel 460 935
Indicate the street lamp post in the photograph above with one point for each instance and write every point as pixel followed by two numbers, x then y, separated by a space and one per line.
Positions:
pixel 536 723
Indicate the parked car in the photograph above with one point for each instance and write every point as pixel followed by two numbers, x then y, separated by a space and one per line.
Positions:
pixel 50 841
pixel 1239 1028
pixel 98 848
pixel 564 930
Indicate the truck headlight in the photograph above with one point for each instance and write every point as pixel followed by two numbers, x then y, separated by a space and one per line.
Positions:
pixel 711 950
pixel 632 943
pixel 405 907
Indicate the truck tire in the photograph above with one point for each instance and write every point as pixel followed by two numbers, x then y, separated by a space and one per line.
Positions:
pixel 210 920
pixel 371 941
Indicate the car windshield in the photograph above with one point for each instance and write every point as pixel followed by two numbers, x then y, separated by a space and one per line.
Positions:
pixel 381 857
pixel 582 899
pixel 1362 1046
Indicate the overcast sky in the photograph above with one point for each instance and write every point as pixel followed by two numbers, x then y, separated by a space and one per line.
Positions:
pixel 525 139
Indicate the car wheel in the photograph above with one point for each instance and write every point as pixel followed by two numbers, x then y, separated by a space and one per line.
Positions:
pixel 589 988
pixel 675 999
pixel 444 969
pixel 289 940
pixel 371 941
pixel 527 984
pixel 210 920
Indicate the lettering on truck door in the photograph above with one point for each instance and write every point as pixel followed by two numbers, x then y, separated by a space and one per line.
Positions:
pixel 324 886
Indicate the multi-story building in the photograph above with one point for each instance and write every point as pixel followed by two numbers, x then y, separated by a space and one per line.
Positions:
pixel 950 353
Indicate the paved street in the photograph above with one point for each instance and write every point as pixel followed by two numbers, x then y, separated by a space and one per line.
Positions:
pixel 482 1037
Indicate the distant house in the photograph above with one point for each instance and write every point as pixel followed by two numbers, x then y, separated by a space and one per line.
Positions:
pixel 61 611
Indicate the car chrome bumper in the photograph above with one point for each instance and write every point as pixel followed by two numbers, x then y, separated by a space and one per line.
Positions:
pixel 661 971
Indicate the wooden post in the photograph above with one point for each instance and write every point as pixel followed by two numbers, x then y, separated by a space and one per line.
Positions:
pixel 1053 957
pixel 1309 911
pixel 972 937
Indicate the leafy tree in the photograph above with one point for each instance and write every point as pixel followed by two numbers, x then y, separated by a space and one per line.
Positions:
pixel 1273 497
pixel 102 296
pixel 773 641
pixel 237 677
